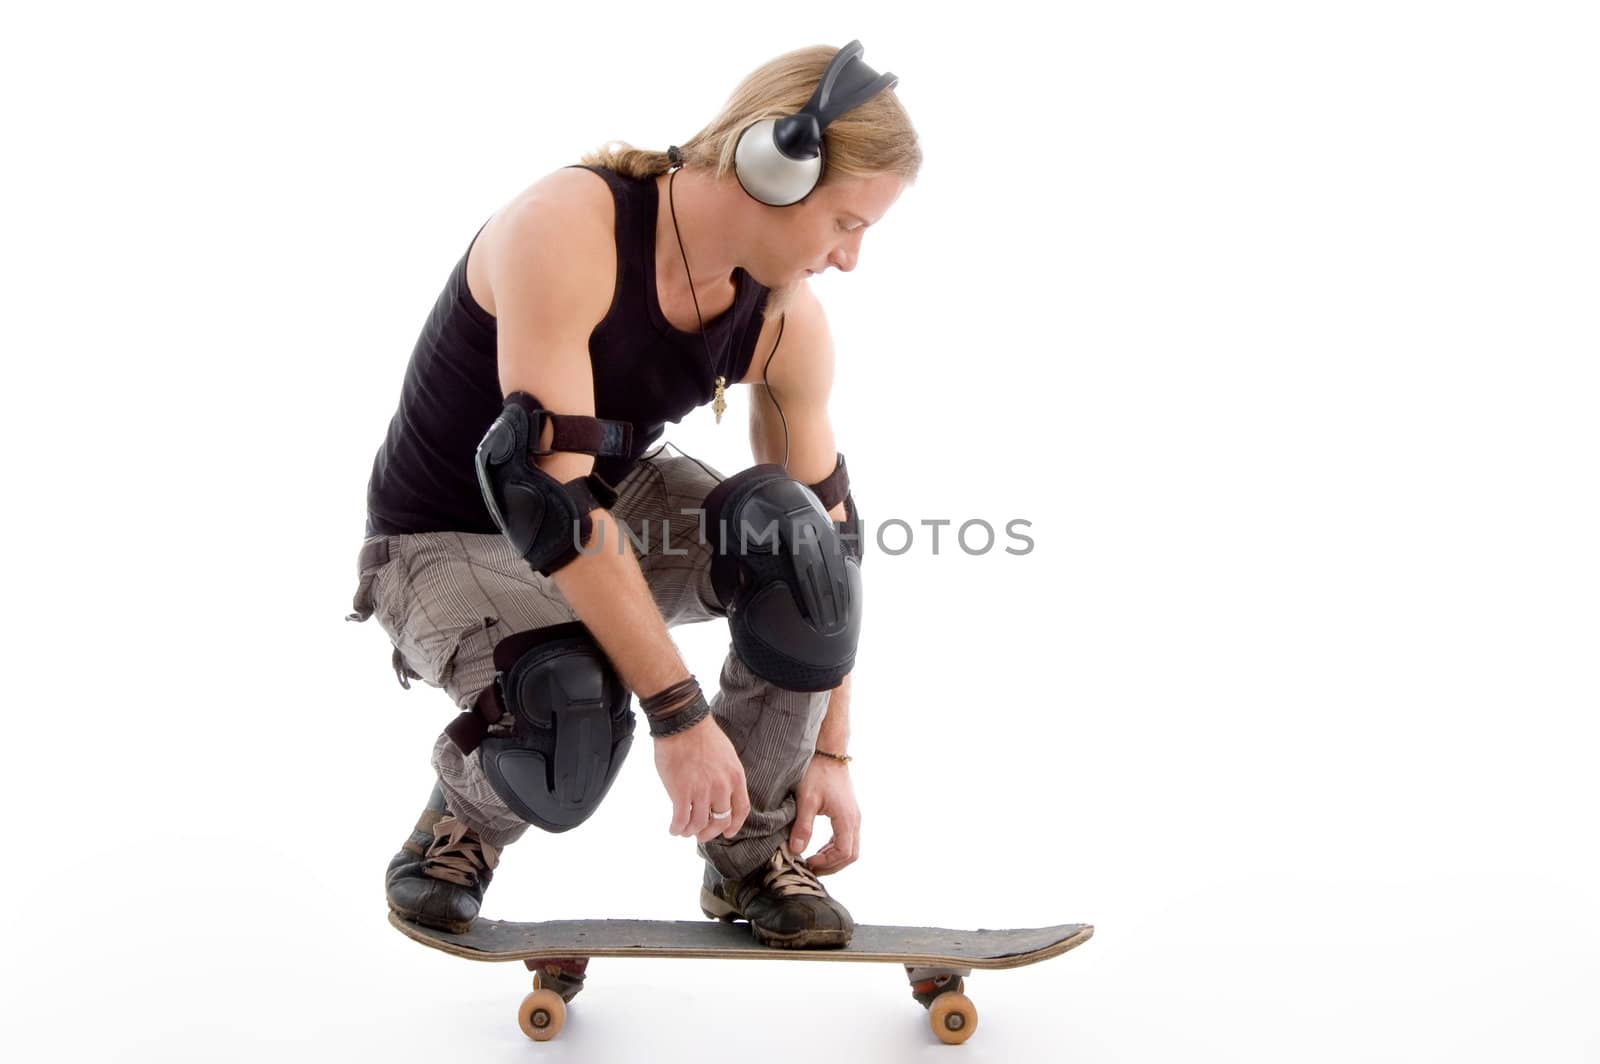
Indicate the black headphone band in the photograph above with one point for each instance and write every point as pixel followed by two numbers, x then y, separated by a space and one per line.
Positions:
pixel 846 84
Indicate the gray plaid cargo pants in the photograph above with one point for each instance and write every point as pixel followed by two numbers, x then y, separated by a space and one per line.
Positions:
pixel 446 598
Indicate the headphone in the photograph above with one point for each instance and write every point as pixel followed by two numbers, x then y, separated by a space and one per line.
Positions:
pixel 780 160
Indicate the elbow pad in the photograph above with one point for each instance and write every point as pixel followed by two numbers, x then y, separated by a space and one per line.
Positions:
pixel 546 521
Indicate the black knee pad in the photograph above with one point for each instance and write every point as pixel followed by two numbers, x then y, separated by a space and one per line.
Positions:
pixel 791 589
pixel 573 726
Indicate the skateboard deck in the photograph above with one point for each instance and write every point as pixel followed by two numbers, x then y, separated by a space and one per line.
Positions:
pixel 936 959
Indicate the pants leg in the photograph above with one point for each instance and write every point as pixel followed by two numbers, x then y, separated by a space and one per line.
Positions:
pixel 455 596
pixel 775 734
pixel 525 600
pixel 773 730
pixel 446 599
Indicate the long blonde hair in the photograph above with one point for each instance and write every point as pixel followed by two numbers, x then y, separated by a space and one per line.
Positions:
pixel 875 138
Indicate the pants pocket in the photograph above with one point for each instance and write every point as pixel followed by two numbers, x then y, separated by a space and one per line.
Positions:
pixel 468 666
pixel 375 557
pixel 460 660
pixel 374 588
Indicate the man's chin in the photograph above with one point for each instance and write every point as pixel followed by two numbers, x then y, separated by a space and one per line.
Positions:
pixel 789 278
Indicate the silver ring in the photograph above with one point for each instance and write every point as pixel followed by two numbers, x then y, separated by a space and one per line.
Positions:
pixel 721 816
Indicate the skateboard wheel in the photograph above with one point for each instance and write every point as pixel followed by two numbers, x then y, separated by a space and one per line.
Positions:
pixel 953 1018
pixel 541 1015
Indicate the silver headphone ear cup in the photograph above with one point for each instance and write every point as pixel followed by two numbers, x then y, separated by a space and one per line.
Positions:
pixel 767 174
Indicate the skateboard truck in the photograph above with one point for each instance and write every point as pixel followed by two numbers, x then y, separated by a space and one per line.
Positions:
pixel 941 991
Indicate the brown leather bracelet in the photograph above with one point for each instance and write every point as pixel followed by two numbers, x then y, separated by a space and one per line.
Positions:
pixel 843 759
pixel 684 692
pixel 680 719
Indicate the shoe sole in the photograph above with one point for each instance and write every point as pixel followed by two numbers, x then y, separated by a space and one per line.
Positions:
pixel 718 909
pixel 455 928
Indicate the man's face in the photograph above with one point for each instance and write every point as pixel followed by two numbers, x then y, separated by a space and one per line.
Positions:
pixel 826 228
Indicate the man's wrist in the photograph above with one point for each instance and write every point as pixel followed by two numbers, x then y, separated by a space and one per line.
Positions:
pixel 682 715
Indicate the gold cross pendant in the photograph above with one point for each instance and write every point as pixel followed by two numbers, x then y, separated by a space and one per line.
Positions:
pixel 720 404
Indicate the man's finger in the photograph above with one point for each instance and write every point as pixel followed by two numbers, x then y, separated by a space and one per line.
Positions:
pixel 823 861
pixel 845 836
pixel 840 852
pixel 741 810
pixel 800 834
pixel 699 813
pixel 716 825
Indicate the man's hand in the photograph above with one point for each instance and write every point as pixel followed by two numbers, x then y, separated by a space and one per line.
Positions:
pixel 826 789
pixel 701 772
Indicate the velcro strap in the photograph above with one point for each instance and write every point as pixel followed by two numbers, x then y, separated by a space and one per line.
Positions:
pixel 587 435
pixel 467 731
pixel 512 647
pixel 582 495
pixel 470 726
pixel 573 432
pixel 832 488
pixel 603 494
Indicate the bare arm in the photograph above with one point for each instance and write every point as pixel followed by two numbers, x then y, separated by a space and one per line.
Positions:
pixel 548 300
pixel 552 271
pixel 800 374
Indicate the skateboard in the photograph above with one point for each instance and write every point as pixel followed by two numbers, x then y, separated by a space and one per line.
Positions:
pixel 937 960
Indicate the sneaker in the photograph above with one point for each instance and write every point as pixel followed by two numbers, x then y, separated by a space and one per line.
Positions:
pixel 785 902
pixel 439 876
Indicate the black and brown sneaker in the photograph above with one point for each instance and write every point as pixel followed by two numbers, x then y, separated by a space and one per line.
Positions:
pixel 785 902
pixel 439 876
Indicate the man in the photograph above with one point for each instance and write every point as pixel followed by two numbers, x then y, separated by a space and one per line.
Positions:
pixel 602 301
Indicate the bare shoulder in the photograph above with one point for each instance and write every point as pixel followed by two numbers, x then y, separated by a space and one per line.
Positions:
pixel 803 361
pixel 558 237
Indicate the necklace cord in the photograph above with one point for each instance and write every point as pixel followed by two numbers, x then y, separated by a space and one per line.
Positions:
pixel 672 204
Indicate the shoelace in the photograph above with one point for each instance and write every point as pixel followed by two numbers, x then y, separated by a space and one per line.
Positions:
pixel 457 855
pixel 787 877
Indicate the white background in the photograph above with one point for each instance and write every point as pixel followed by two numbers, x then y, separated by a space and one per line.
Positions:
pixel 1277 321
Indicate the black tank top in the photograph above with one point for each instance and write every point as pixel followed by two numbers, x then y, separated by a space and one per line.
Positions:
pixel 646 372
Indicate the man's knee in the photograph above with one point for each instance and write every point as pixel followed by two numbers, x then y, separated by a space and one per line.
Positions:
pixel 791 590
pixel 554 727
